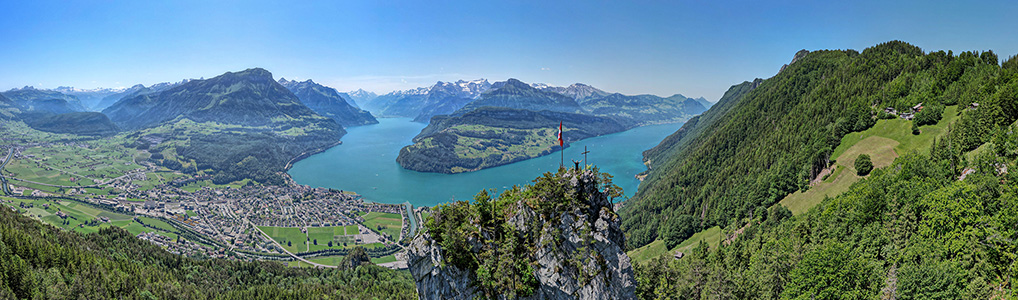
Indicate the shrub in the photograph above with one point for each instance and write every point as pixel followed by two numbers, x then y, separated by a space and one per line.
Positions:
pixel 863 165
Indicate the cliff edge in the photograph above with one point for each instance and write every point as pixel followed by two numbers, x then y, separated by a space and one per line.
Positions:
pixel 555 239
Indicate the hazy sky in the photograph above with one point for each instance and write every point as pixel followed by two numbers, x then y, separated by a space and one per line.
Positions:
pixel 696 48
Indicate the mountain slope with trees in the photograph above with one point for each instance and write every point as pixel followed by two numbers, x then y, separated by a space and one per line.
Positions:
pixel 937 224
pixel 328 102
pixel 239 125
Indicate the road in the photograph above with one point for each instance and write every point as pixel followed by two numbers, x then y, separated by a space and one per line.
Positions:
pixel 284 249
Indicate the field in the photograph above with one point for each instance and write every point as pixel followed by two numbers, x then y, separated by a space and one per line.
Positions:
pixel 299 241
pixel 388 223
pixel 282 235
pixel 328 260
pixel 73 165
pixel 884 142
pixel 80 215
pixel 711 236
pixel 384 259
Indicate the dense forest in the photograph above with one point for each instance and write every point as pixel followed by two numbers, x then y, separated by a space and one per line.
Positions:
pixel 44 262
pixel 938 223
pixel 771 140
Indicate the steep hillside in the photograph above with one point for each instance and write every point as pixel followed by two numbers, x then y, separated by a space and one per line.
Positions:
pixel 241 125
pixel 555 239
pixel 936 223
pixel 326 101
pixel 748 152
pixel 42 261
pixel 80 123
pixel 249 98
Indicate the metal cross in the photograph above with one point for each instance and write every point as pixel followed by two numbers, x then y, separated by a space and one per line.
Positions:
pixel 585 156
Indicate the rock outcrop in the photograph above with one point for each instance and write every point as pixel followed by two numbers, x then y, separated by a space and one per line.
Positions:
pixel 577 253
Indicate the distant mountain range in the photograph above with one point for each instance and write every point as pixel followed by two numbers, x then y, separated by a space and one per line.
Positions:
pixel 361 97
pixel 90 98
pixel 53 111
pixel 424 102
pixel 328 102
pixel 36 100
pixel 513 121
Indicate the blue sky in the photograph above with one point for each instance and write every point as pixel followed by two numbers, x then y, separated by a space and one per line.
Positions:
pixel 696 48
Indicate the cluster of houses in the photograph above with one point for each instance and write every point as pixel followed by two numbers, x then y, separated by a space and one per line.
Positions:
pixel 907 115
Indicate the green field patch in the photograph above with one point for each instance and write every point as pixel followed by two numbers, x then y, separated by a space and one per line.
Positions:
pixel 282 235
pixel 352 230
pixel 711 236
pixel 384 259
pixel 191 213
pixel 157 224
pixel 389 223
pixel 328 260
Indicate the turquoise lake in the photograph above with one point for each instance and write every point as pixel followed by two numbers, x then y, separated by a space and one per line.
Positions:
pixel 366 164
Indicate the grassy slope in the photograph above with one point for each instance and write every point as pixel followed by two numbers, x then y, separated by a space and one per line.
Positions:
pixel 884 142
pixel 81 213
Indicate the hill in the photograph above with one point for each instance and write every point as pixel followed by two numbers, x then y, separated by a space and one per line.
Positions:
pixel 516 121
pixel 42 261
pixel 326 101
pixel 886 233
pixel 250 98
pixel 79 123
pixel 233 126
pixel 516 94
pixel 44 101
pixel 493 136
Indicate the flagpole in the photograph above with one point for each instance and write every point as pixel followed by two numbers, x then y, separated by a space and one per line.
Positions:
pixel 561 147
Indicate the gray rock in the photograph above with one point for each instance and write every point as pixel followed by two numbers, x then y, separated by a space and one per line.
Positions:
pixel 579 254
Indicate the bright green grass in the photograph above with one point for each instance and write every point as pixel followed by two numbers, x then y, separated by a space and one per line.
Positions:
pixel 328 260
pixel 711 236
pixel 901 130
pixel 157 224
pixel 352 230
pixel 384 259
pixel 388 222
pixel 191 213
pixel 323 235
pixel 880 150
pixel 287 234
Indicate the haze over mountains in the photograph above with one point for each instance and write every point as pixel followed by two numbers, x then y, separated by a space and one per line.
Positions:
pixel 328 102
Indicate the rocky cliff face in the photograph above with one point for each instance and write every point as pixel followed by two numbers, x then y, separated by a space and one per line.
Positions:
pixel 577 253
